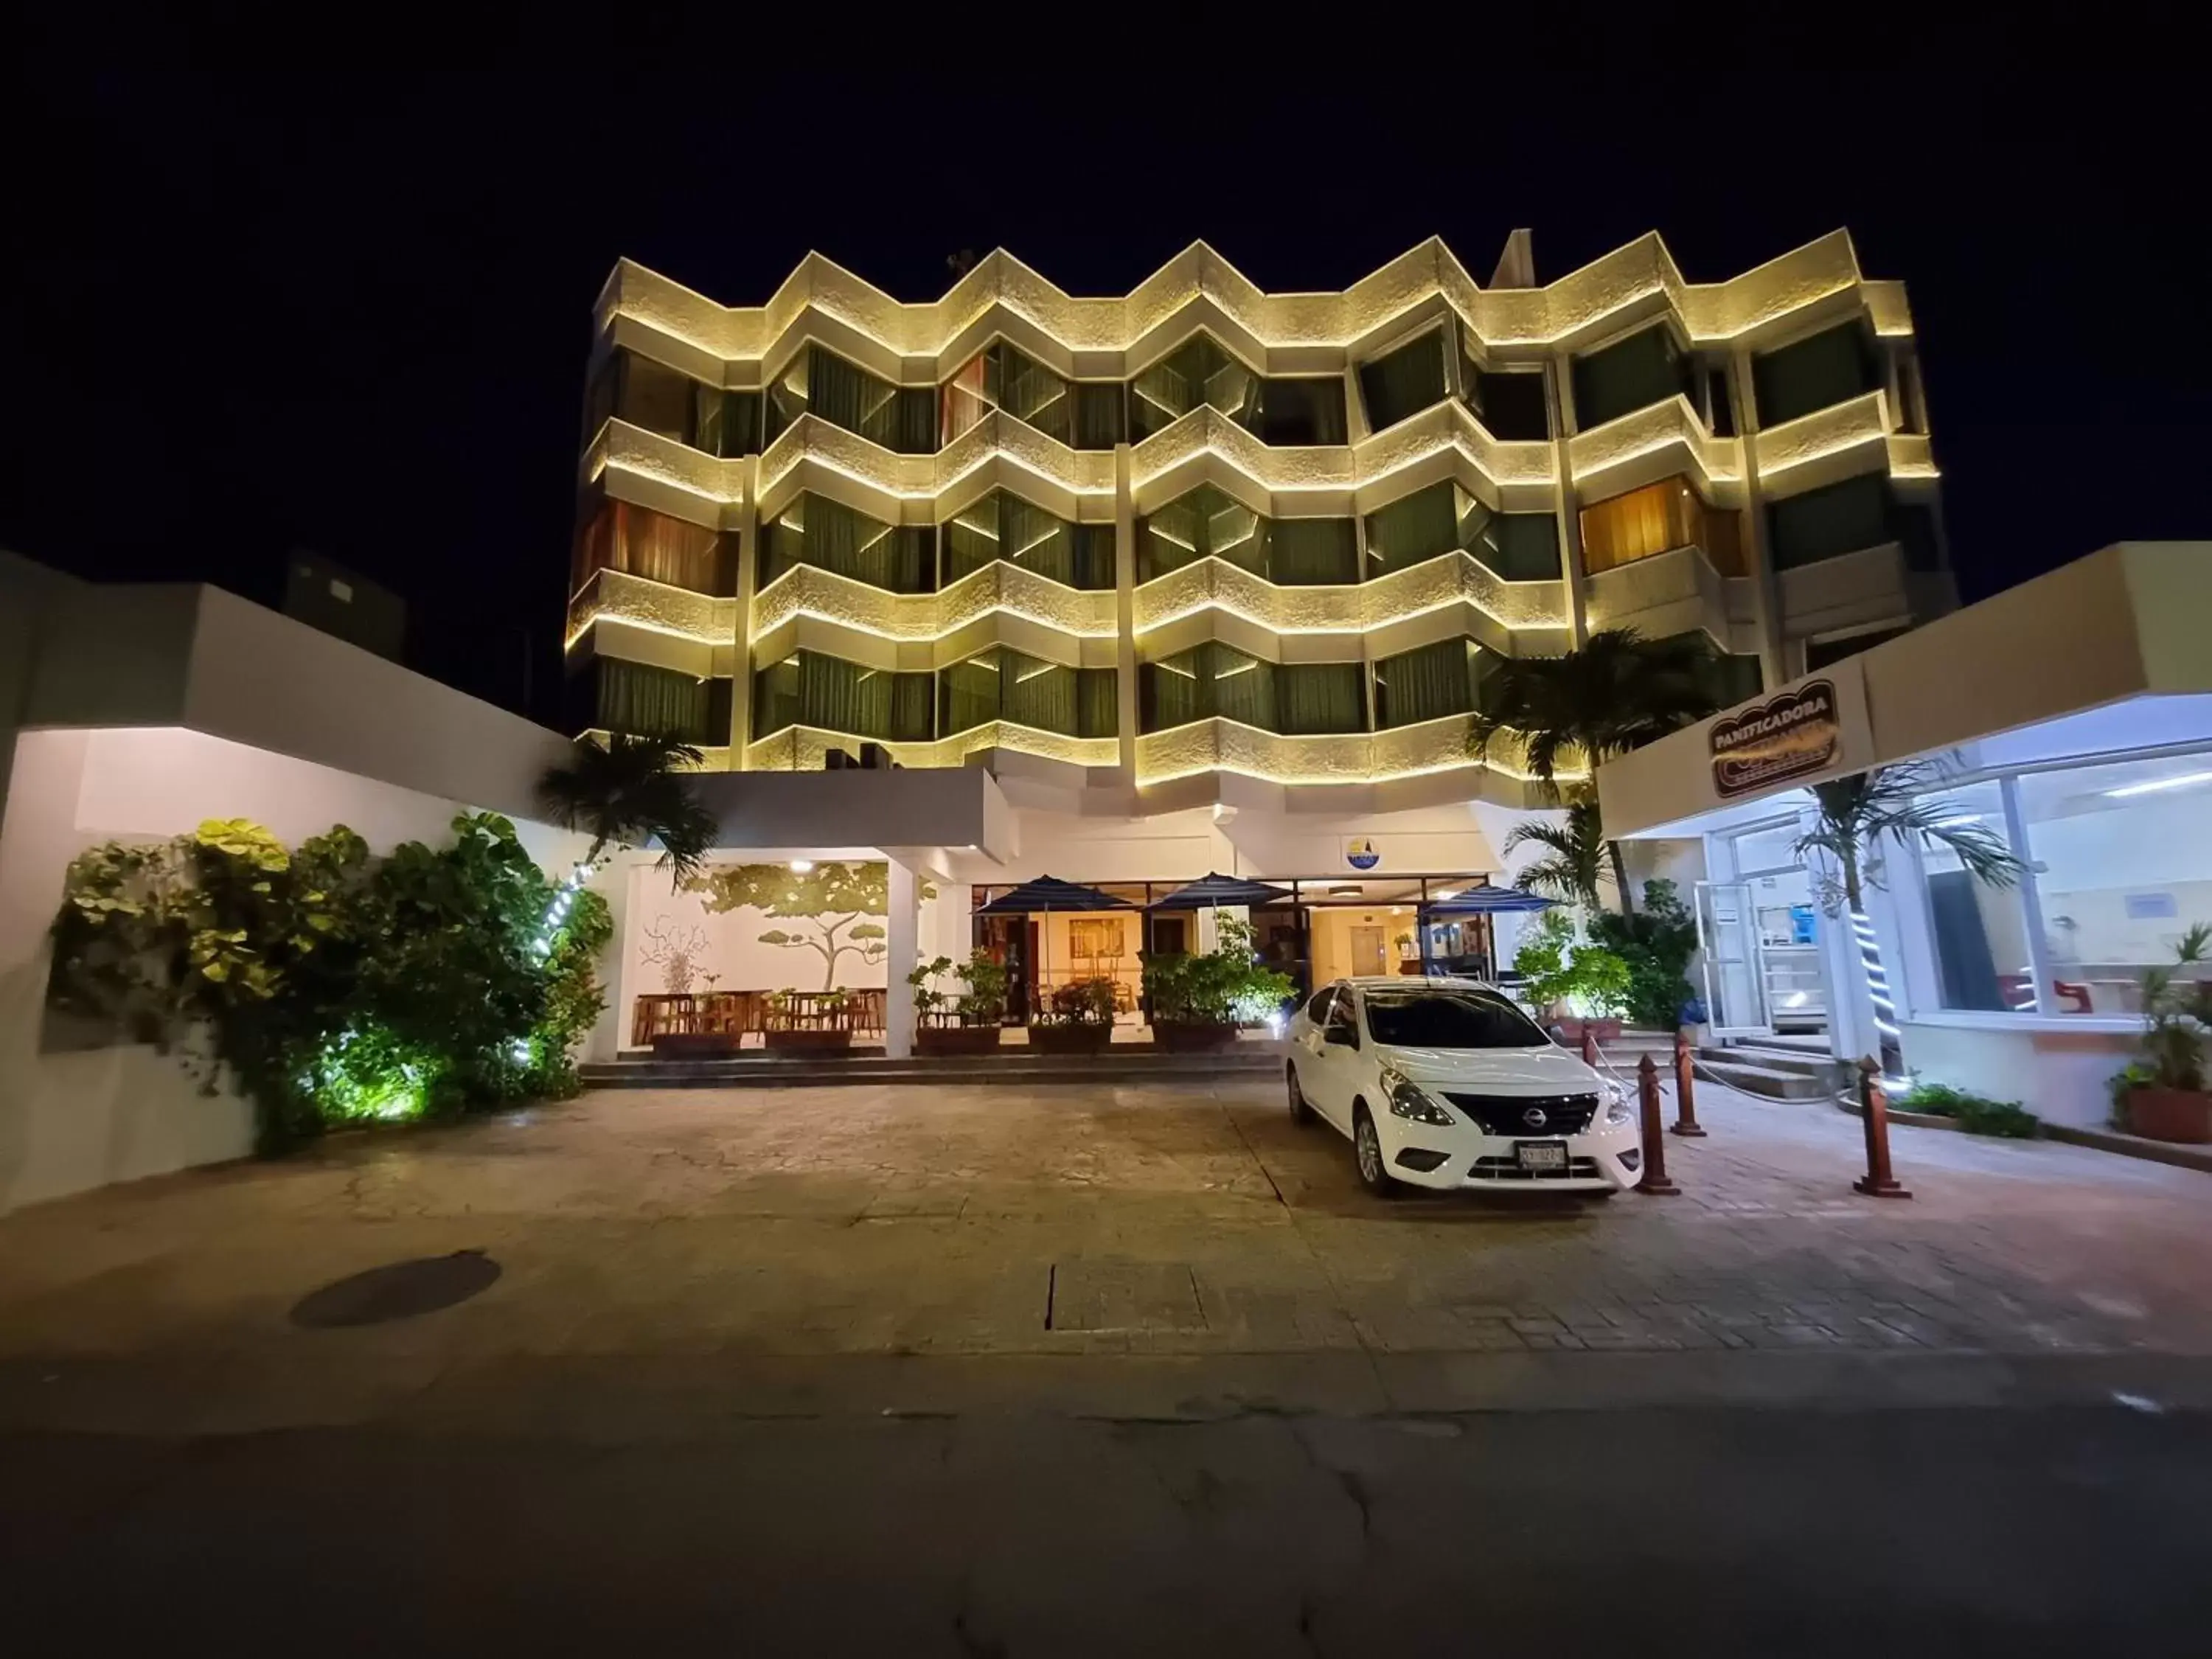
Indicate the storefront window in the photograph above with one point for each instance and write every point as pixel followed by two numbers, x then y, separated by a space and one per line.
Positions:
pixel 2122 857
pixel 1977 932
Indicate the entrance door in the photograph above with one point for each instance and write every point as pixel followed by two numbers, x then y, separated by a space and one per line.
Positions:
pixel 1366 950
pixel 1728 934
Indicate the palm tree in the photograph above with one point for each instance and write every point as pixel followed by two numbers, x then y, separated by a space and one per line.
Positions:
pixel 1574 860
pixel 1857 813
pixel 630 790
pixel 1617 692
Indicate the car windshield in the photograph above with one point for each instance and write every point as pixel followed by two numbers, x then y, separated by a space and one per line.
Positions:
pixel 1457 1018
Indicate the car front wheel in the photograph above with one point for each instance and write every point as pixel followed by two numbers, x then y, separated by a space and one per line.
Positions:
pixel 1301 1113
pixel 1367 1147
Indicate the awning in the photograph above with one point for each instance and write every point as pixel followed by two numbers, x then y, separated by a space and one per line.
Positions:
pixel 1211 890
pixel 1049 893
pixel 1487 901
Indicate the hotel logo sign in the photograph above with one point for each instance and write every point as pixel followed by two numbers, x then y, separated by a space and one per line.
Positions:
pixel 1791 735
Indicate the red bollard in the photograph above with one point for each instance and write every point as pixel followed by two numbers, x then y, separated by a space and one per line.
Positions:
pixel 1873 1105
pixel 1589 1045
pixel 1655 1180
pixel 1685 1105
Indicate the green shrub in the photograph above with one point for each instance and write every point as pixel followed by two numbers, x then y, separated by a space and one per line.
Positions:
pixel 1657 942
pixel 333 986
pixel 1973 1113
pixel 1590 979
pixel 1225 986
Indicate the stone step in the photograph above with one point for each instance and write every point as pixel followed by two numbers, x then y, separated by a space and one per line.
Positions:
pixel 1009 1066
pixel 1822 1066
pixel 1764 1080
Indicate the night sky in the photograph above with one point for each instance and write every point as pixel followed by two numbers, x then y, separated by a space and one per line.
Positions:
pixel 356 319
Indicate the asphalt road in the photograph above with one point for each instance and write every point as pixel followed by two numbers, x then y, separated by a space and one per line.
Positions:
pixel 2059 1530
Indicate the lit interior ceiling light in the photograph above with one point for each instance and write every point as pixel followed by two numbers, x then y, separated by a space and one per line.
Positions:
pixel 800 866
pixel 2156 784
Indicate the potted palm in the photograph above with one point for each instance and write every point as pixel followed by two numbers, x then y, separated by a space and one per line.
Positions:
pixel 2161 1097
pixel 964 1025
pixel 1076 1019
pixel 1201 1001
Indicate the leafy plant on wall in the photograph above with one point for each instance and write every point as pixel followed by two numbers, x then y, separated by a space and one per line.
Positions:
pixel 835 899
pixel 330 984
pixel 676 950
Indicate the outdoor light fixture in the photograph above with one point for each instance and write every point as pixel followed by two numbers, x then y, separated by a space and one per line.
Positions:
pixel 800 866
pixel 2156 784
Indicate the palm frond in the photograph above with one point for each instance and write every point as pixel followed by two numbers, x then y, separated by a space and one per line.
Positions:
pixel 630 790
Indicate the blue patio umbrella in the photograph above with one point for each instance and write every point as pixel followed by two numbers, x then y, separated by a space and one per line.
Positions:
pixel 1209 890
pixel 1045 894
pixel 1487 901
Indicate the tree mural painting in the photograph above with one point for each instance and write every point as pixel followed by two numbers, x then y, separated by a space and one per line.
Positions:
pixel 676 950
pixel 832 898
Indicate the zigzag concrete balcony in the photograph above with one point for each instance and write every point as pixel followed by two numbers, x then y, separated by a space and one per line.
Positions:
pixel 998 451
pixel 1437 747
pixel 865 624
pixel 1497 609
pixel 1666 593
pixel 649 621
pixel 1280 333
pixel 802 748
pixel 1838 442
pixel 1657 442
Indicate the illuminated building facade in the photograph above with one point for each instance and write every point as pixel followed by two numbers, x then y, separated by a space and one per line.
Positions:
pixel 1150 544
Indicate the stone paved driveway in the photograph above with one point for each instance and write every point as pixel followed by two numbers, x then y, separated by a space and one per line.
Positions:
pixel 1154 1220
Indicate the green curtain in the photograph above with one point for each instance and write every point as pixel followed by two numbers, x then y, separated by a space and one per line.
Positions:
pixel 1313 552
pixel 1420 527
pixel 1169 691
pixel 639 698
pixel 844 696
pixel 1098 415
pixel 914 698
pixel 1031 393
pixel 1092 563
pixel 1321 697
pixel 1097 705
pixel 831 536
pixel 1832 367
pixel 971 539
pixel 1647 367
pixel 1522 547
pixel 1171 537
pixel 1036 693
pixel 1404 382
pixel 1036 539
pixel 1836 518
pixel 1425 683
pixel 967 694
pixel 776 697
pixel 1240 688
pixel 1300 412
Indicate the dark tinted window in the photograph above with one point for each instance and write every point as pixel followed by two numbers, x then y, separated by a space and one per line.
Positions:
pixel 1512 406
pixel 1433 1018
pixel 1834 367
pixel 1403 382
pixel 1643 370
pixel 1342 1018
pixel 1317 1009
pixel 1836 518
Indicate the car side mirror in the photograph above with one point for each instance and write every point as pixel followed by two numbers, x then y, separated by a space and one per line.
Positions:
pixel 1557 1033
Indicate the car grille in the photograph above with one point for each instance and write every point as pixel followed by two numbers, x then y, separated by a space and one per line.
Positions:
pixel 1506 1169
pixel 1506 1115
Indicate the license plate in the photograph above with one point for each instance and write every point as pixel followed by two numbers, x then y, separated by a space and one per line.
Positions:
pixel 1541 1154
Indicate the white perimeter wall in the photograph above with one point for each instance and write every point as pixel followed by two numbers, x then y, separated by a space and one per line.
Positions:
pixel 73 1120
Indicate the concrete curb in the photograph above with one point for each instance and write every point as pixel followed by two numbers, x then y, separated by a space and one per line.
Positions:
pixel 2179 1155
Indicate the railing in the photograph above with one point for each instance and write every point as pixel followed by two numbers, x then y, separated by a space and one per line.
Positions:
pixel 739 1014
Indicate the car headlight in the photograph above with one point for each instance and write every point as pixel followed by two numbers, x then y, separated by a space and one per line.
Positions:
pixel 1407 1100
pixel 1619 1109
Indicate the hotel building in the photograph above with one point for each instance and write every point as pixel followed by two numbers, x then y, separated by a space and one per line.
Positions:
pixel 1210 578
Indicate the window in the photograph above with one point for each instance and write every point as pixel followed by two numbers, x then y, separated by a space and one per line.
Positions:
pixel 1005 526
pixel 1003 684
pixel 1521 547
pixel 1344 1017
pixel 1198 371
pixel 1426 683
pixel 1313 552
pixel 821 383
pixel 1402 383
pixel 1300 412
pixel 655 397
pixel 1647 367
pixel 810 689
pixel 1657 519
pixel 831 536
pixel 1317 1007
pixel 1819 653
pixel 1850 517
pixel 1978 932
pixel 1418 527
pixel 1831 367
pixel 1449 1019
pixel 622 536
pixel 2122 857
pixel 1204 523
pixel 1318 697
pixel 1512 406
pixel 610 694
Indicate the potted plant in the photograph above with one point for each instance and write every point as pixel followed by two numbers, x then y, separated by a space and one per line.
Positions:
pixel 2161 1094
pixel 1077 1019
pixel 816 1023
pixel 1201 1001
pixel 968 1024
pixel 1571 984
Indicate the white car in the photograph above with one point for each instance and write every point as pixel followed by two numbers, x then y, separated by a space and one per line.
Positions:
pixel 1446 1084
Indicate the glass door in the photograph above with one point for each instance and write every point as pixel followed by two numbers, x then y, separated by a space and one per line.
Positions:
pixel 1734 980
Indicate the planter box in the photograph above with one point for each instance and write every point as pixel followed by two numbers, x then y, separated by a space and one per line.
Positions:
pixel 956 1040
pixel 1177 1038
pixel 2183 1116
pixel 1071 1039
pixel 808 1043
pixel 694 1045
